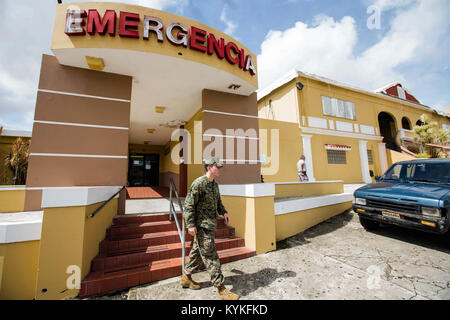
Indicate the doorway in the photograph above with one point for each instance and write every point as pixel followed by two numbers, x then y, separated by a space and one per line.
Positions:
pixel 388 130
pixel 143 170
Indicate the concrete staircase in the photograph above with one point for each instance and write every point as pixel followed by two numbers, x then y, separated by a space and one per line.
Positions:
pixel 141 249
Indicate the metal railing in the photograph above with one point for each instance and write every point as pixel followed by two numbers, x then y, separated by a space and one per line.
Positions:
pixel 173 212
pixel 106 202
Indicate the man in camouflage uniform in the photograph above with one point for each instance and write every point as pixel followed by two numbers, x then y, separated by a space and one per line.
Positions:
pixel 201 209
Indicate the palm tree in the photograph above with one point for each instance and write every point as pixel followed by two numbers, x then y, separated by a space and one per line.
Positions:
pixel 428 133
pixel 17 161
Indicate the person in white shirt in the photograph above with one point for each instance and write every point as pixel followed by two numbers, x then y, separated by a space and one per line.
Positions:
pixel 301 169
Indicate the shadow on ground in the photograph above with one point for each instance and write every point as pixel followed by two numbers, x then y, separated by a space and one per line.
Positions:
pixel 416 237
pixel 245 283
pixel 322 228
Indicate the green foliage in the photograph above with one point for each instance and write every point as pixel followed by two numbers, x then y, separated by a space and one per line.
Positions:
pixel 429 133
pixel 423 155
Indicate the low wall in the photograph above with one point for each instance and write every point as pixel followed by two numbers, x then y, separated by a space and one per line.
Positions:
pixel 265 213
pixel 250 208
pixel 290 224
pixel 19 253
pixel 12 199
pixel 70 237
pixel 306 189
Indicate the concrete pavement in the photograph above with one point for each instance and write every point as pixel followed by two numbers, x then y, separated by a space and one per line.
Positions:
pixel 336 259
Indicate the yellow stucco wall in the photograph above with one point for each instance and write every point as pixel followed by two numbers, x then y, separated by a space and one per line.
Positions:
pixel 253 220
pixel 307 190
pixel 284 153
pixel 61 41
pixel 280 105
pixel 290 224
pixel 12 200
pixel 18 270
pixel 367 106
pixel 69 238
pixel 394 157
pixel 194 127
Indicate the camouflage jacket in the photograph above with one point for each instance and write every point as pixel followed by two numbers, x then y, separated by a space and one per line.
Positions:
pixel 202 203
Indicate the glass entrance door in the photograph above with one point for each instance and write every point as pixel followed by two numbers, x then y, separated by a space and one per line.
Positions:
pixel 143 170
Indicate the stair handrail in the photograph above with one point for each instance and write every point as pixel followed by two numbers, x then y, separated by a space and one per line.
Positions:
pixel 173 212
pixel 106 202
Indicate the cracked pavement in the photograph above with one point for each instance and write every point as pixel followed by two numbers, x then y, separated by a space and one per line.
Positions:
pixel 336 259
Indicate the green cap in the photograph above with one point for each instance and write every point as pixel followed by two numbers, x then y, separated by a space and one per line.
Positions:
pixel 214 161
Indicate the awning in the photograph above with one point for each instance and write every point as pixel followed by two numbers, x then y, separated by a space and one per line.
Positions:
pixel 338 147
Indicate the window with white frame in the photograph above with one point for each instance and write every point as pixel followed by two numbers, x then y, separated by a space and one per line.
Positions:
pixel 338 108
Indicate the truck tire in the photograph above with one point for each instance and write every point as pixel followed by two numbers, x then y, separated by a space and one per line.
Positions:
pixel 447 239
pixel 369 225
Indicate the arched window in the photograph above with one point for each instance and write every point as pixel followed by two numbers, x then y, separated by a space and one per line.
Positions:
pixel 406 124
pixel 419 123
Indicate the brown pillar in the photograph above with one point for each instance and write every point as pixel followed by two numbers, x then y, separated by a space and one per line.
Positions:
pixel 222 111
pixel 80 133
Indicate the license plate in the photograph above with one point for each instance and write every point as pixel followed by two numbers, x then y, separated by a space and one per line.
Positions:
pixel 392 215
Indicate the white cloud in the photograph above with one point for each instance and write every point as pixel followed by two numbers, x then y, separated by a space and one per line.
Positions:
pixel 155 4
pixel 327 46
pixel 231 26
pixel 385 5
pixel 25 34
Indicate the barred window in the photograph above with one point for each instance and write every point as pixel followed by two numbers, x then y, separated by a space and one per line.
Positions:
pixel 336 157
pixel 370 157
pixel 338 108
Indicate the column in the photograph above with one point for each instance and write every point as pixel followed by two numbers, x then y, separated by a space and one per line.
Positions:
pixel 309 158
pixel 230 122
pixel 364 161
pixel 80 131
pixel 383 157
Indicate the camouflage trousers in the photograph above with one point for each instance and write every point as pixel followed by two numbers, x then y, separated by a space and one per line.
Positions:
pixel 204 250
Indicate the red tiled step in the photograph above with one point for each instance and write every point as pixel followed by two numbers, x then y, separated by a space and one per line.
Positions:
pixel 134 230
pixel 99 283
pixel 147 255
pixel 142 218
pixel 135 242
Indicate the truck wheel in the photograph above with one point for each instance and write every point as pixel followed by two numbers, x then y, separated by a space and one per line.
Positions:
pixel 369 224
pixel 447 239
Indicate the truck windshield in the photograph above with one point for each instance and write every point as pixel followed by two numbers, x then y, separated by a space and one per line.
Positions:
pixel 436 172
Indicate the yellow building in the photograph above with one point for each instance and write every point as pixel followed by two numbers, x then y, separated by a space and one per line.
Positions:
pixel 345 133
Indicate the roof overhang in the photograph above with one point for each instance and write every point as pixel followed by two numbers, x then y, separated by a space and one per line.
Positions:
pixel 165 74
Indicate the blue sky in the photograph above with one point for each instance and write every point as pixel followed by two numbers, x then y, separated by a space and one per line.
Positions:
pixel 330 38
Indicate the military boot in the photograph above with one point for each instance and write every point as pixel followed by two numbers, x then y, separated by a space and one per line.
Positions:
pixel 187 282
pixel 226 294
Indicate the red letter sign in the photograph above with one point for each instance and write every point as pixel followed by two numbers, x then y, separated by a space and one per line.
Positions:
pixel 217 46
pixel 230 58
pixel 107 24
pixel 128 21
pixel 198 38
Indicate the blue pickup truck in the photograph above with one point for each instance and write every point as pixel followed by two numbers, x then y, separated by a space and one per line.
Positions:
pixel 412 194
